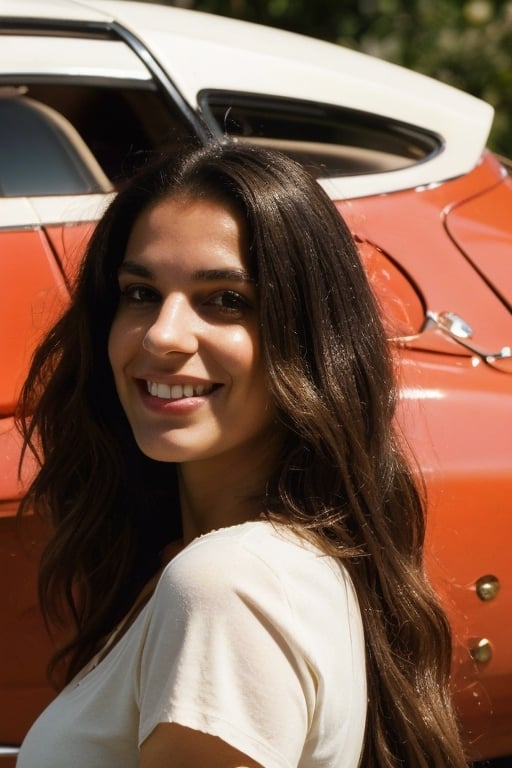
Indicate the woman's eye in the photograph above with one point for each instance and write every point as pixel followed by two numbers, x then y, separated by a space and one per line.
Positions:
pixel 230 303
pixel 138 294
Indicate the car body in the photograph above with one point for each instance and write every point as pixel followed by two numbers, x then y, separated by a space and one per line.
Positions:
pixel 89 90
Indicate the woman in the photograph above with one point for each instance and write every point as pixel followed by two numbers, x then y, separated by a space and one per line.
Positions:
pixel 237 537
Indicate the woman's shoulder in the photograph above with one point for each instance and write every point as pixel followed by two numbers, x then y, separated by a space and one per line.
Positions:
pixel 257 614
pixel 260 544
pixel 261 561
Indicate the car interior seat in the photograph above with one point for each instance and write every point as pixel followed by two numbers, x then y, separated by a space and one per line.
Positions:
pixel 42 154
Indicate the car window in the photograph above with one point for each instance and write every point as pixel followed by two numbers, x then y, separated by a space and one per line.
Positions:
pixel 122 125
pixel 110 101
pixel 329 140
pixel 42 154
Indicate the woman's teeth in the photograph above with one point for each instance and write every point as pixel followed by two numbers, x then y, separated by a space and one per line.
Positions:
pixel 176 391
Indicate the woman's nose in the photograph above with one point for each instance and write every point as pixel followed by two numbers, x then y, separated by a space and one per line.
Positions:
pixel 174 328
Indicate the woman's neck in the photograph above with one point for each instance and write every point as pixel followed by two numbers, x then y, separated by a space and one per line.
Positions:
pixel 217 501
pixel 220 493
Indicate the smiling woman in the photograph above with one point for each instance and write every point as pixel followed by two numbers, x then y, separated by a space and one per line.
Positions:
pixel 185 345
pixel 238 540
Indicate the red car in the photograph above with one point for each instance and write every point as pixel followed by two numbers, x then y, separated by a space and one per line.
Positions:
pixel 90 90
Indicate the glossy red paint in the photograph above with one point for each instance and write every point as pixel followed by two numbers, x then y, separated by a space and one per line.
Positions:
pixel 25 313
pixel 456 415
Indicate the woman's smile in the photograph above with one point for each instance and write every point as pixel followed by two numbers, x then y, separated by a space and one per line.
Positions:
pixel 177 391
pixel 185 344
pixel 174 398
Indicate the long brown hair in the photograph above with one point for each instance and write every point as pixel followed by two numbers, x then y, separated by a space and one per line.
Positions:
pixel 342 477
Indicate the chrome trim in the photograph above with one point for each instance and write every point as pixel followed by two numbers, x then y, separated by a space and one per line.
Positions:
pixel 487 587
pixel 22 213
pixel 9 751
pixel 481 651
pixel 160 75
pixel 457 329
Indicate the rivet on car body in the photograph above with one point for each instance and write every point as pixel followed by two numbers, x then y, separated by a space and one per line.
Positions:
pixel 481 651
pixel 487 587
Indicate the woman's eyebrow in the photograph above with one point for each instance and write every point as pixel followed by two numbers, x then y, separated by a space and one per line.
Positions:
pixel 132 268
pixel 236 275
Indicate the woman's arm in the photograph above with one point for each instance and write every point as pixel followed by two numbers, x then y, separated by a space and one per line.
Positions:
pixel 174 746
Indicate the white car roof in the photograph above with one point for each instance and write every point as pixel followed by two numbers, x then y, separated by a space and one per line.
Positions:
pixel 204 51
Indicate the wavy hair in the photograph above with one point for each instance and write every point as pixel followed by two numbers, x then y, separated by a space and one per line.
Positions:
pixel 342 477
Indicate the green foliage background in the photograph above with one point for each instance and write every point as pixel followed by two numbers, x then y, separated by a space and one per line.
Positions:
pixel 467 43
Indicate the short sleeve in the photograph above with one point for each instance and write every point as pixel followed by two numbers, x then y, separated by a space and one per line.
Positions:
pixel 222 654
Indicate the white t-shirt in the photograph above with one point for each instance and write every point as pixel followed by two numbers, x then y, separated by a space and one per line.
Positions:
pixel 251 635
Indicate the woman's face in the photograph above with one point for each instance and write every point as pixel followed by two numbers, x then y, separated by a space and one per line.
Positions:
pixel 184 344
